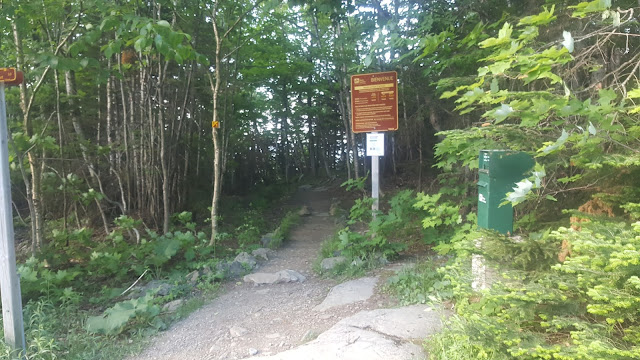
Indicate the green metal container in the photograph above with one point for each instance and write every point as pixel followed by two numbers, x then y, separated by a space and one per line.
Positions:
pixel 499 171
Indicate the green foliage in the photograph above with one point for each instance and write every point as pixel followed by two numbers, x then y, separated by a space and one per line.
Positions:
pixel 386 234
pixel 583 308
pixel 420 284
pixel 440 215
pixel 355 184
pixel 37 280
pixel 282 232
pixel 360 211
pixel 115 318
pixel 354 245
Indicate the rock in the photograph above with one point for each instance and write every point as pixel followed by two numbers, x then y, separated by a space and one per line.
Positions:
pixel 304 211
pixel 330 263
pixel 267 239
pixel 231 269
pixel 193 277
pixel 334 209
pixel 172 306
pixel 261 278
pixel 357 262
pixel 206 270
pixel 236 269
pixel 308 336
pixel 291 276
pixel 237 331
pixel 246 260
pixel 348 293
pixel 385 334
pixel 407 323
pixel 382 260
pixel 160 288
pixel 253 351
pixel 283 276
pixel 261 253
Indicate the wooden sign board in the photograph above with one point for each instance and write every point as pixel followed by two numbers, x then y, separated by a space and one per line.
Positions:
pixel 374 102
pixel 10 76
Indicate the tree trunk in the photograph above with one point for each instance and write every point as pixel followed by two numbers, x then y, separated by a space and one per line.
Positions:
pixel 34 190
pixel 217 146
pixel 71 93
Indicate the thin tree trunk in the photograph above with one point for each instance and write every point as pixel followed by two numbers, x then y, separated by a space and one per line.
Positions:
pixel 217 148
pixel 71 93
pixel 33 191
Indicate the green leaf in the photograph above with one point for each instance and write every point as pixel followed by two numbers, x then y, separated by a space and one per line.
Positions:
pixel 542 18
pixel 159 41
pixel 500 67
pixel 501 113
pixel 494 86
pixel 108 51
pixel 585 8
pixel 504 36
pixel 549 197
pixel 557 144
pixel 139 44
pixel 164 23
pixel 367 60
pixel 633 94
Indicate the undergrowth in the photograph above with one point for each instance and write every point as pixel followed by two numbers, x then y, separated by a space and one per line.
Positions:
pixel 79 304
pixel 369 241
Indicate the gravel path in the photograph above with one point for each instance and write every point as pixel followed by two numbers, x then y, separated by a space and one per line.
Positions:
pixel 248 320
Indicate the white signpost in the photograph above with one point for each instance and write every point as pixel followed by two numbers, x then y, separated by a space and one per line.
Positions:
pixel 375 149
pixel 9 281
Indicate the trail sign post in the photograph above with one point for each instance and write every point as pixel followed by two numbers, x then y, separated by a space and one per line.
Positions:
pixel 9 281
pixel 374 108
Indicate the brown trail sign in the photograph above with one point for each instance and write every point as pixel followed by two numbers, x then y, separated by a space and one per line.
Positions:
pixel 374 108
pixel 374 102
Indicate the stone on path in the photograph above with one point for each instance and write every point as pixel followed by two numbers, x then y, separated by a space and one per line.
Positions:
pixel 283 276
pixel 348 293
pixel 383 334
pixel 237 331
pixel 173 305
pixel 246 260
pixel 304 211
pixel 261 253
pixel 330 263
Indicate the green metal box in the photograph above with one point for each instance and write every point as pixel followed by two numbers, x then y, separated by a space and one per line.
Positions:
pixel 498 173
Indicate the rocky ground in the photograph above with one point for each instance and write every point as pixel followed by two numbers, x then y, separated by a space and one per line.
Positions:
pixel 285 311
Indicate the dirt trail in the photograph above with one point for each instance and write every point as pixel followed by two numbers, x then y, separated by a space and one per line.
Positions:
pixel 249 320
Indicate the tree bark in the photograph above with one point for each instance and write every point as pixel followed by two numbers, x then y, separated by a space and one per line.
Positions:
pixel 33 191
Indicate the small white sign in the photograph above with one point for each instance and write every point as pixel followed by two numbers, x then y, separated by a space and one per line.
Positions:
pixel 375 144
